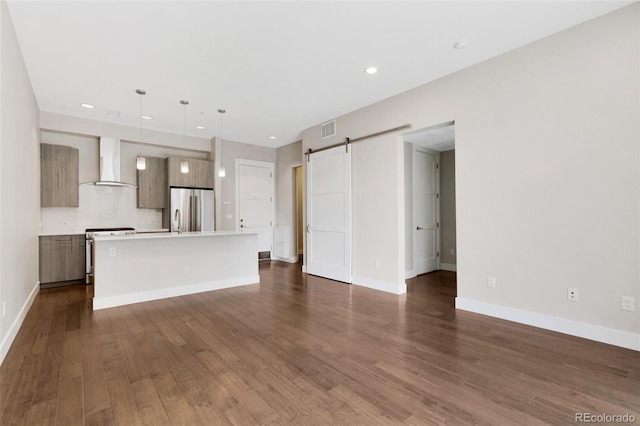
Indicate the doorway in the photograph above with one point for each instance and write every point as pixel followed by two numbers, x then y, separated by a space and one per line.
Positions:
pixel 426 210
pixel 255 206
pixel 430 215
pixel 298 214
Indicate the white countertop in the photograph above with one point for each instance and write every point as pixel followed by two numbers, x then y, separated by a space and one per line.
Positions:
pixel 159 235
pixel 82 232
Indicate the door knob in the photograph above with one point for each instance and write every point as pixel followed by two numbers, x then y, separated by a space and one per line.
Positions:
pixel 418 228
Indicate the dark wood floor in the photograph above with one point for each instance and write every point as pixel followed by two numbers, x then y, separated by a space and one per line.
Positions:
pixel 300 350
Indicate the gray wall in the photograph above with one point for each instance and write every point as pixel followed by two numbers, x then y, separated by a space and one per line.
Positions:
pixel 287 158
pixel 102 206
pixel 408 208
pixel 563 114
pixel 226 153
pixel 448 207
pixel 19 186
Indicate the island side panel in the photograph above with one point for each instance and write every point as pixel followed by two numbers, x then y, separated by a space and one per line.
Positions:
pixel 148 269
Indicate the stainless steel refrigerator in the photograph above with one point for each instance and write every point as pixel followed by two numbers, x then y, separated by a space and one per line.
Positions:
pixel 191 210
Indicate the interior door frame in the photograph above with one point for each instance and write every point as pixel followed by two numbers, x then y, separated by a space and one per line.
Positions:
pixel 298 215
pixel 414 196
pixel 271 166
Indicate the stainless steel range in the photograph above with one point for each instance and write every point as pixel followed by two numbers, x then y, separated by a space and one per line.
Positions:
pixel 95 232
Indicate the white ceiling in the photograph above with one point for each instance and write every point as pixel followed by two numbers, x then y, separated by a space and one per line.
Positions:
pixel 439 138
pixel 277 67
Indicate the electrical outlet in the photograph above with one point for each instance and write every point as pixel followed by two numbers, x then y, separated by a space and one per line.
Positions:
pixel 185 270
pixel 378 264
pixel 112 251
pixel 572 294
pixel 628 303
pixel 491 282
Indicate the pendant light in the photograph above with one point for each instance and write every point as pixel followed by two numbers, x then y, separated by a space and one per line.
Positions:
pixel 222 172
pixel 141 163
pixel 184 164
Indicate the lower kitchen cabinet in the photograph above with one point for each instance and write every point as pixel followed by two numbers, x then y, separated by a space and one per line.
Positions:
pixel 62 259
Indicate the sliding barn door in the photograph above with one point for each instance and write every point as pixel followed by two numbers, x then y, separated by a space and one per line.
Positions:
pixel 329 214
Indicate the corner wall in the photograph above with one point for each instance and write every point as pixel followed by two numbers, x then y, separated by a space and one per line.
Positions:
pixel 547 177
pixel 20 203
pixel 287 157
pixel 226 191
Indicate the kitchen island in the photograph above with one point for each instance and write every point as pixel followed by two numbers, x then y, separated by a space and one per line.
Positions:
pixel 137 268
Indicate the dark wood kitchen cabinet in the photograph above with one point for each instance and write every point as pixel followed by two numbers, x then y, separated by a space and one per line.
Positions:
pixel 59 176
pixel 200 173
pixel 62 258
pixel 152 184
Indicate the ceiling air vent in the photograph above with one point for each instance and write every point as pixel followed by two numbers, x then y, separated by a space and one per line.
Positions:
pixel 327 129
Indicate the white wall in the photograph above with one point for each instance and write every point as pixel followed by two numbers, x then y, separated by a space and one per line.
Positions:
pixel 287 157
pixel 225 188
pixel 19 186
pixel 105 206
pixel 408 210
pixel 558 207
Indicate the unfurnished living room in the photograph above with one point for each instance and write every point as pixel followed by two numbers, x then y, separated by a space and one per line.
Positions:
pixel 319 212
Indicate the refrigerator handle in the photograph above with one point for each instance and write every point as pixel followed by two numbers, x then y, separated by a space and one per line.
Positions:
pixel 196 213
pixel 176 220
pixel 191 213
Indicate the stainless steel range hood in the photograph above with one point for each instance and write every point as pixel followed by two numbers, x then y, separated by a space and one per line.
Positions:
pixel 110 163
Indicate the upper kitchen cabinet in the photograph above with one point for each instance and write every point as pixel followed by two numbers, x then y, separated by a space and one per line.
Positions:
pixel 59 176
pixel 200 173
pixel 152 184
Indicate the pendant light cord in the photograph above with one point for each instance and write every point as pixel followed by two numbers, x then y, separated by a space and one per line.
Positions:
pixel 184 129
pixel 140 137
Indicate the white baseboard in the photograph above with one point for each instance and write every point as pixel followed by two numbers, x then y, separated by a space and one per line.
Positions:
pixel 611 336
pixel 395 288
pixel 293 259
pixel 409 274
pixel 448 267
pixel 163 293
pixel 17 323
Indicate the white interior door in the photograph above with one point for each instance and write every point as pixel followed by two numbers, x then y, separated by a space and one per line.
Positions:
pixel 255 205
pixel 329 214
pixel 426 210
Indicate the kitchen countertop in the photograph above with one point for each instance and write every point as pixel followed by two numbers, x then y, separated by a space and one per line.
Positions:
pixel 82 232
pixel 141 267
pixel 159 235
pixel 59 234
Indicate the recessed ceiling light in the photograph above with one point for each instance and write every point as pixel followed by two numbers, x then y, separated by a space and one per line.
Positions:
pixel 200 127
pixel 273 137
pixel 87 106
pixel 147 117
pixel 461 44
pixel 371 70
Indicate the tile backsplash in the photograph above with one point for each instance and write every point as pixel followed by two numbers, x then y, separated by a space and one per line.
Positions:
pixel 100 207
